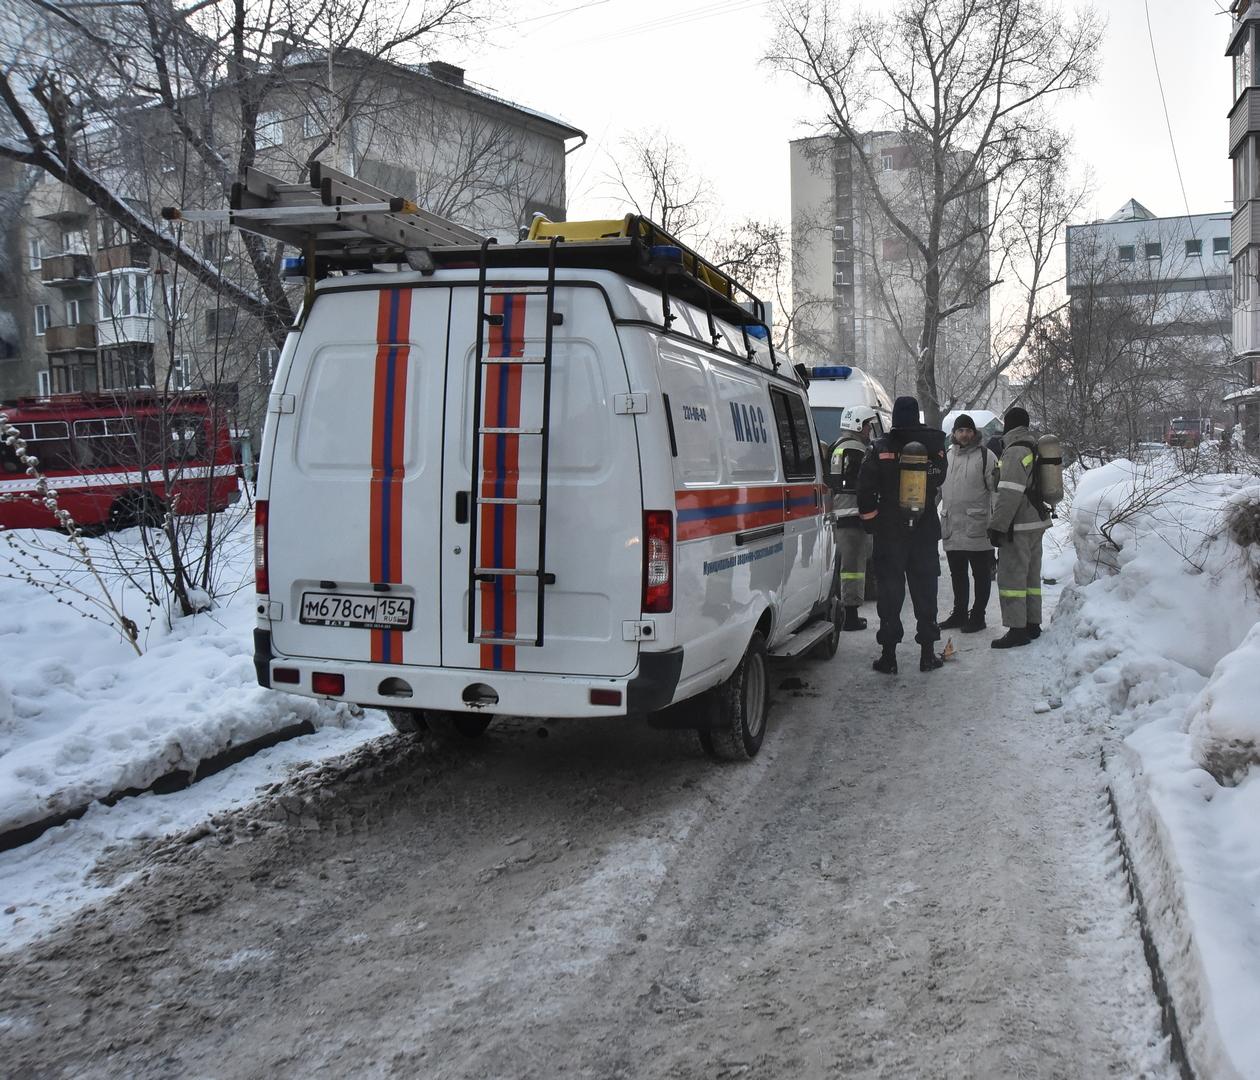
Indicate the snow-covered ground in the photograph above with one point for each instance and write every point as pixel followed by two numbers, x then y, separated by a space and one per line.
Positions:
pixel 83 716
pixel 1162 648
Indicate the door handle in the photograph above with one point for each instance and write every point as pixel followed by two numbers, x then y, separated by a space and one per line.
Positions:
pixel 461 508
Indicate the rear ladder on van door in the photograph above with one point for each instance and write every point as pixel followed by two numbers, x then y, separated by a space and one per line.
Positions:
pixel 490 490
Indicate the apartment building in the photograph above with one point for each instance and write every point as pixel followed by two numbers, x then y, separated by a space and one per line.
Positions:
pixel 1150 296
pixel 856 283
pixel 85 306
pixel 1244 152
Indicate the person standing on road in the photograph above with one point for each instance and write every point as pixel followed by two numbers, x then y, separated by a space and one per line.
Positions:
pixel 853 545
pixel 905 549
pixel 1017 526
pixel 967 503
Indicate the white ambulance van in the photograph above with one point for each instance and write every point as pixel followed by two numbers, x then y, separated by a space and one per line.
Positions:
pixel 833 388
pixel 560 478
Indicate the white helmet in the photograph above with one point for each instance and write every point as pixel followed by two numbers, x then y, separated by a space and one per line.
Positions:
pixel 854 416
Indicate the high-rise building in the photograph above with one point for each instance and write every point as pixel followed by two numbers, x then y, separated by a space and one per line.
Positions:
pixel 856 282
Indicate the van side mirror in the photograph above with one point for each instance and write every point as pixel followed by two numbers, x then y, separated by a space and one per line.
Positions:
pixel 802 373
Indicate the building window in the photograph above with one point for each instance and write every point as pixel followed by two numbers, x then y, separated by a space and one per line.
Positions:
pixel 43 319
pixel 1244 64
pixel 127 367
pixel 124 293
pixel 74 242
pixel 270 129
pixel 181 372
pixel 174 296
pixel 1126 253
pixel 45 383
pixel 1154 251
pixel 1220 245
pixel 886 162
pixel 220 322
pixel 1194 249
pixel 34 253
pixel 1243 267
pixel 74 314
pixel 218 246
pixel 267 360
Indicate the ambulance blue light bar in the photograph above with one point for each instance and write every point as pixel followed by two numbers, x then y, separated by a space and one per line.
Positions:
pixel 839 371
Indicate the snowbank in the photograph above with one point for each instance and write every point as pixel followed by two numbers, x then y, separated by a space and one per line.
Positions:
pixel 81 715
pixel 1161 646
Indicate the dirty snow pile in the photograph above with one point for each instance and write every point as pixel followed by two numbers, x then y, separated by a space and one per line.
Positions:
pixel 1162 648
pixel 83 716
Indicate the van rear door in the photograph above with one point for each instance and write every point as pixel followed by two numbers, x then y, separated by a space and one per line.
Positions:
pixel 356 475
pixel 594 503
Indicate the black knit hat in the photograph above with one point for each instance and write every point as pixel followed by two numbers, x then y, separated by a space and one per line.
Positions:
pixel 1015 417
pixel 905 413
pixel 964 421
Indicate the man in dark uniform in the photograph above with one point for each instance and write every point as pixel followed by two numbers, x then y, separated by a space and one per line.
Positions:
pixel 905 549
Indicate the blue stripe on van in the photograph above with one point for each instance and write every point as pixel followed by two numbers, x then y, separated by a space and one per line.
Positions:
pixel 703 513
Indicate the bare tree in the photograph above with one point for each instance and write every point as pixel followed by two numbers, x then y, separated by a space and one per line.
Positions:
pixel 652 172
pixel 1133 349
pixel 208 82
pixel 968 84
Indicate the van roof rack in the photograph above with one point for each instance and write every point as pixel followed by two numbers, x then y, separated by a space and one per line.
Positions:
pixel 340 223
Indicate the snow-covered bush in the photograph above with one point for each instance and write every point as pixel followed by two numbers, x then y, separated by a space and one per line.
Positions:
pixel 1224 722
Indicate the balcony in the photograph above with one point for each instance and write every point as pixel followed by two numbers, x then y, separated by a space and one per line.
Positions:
pixel 61 339
pixel 71 208
pixel 123 256
pixel 125 329
pixel 1244 117
pixel 63 271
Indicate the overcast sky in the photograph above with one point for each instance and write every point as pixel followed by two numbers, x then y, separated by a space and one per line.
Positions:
pixel 692 68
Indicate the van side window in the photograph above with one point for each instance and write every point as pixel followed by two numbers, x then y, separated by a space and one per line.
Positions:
pixel 796 442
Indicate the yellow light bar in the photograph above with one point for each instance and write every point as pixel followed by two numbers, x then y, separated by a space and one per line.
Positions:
pixel 610 229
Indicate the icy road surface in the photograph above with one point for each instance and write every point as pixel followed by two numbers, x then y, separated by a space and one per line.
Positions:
pixel 915 878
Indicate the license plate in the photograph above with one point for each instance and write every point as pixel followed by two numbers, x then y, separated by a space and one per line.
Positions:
pixel 360 612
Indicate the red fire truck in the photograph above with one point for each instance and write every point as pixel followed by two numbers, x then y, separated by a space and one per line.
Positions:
pixel 117 459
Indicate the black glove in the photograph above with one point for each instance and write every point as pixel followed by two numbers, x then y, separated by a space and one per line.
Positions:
pixel 996 538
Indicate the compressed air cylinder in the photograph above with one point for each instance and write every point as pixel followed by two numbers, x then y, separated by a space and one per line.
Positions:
pixel 912 490
pixel 1050 478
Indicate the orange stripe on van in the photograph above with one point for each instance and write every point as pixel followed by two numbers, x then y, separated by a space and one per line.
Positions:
pixel 389 420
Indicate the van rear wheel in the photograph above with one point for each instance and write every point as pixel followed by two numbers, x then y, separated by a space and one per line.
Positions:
pixel 740 706
pixel 467 725
pixel 407 721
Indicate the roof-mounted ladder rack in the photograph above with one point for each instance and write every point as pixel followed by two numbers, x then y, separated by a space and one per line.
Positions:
pixel 332 216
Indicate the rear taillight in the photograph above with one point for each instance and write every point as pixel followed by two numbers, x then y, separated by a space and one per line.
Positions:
pixel 328 684
pixel 658 561
pixel 261 583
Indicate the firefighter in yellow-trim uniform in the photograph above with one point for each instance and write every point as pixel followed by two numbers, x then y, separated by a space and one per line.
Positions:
pixel 1017 526
pixel 853 544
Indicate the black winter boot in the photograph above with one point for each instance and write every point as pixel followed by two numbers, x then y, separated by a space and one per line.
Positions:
pixel 957 619
pixel 975 623
pixel 928 660
pixel 1034 631
pixel 852 620
pixel 1012 639
pixel 887 662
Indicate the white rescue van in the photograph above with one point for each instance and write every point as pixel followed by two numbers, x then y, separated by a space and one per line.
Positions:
pixel 561 478
pixel 834 388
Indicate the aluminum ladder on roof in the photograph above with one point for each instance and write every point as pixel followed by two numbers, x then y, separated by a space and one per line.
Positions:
pixel 501 578
pixel 333 217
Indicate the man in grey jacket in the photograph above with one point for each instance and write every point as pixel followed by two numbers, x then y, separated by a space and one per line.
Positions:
pixel 967 498
pixel 1017 526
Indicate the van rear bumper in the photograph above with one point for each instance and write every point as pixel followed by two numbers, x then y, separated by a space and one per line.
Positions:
pixel 517 693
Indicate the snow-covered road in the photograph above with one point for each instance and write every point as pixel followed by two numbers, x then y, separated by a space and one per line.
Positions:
pixel 915 878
